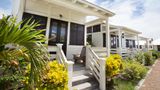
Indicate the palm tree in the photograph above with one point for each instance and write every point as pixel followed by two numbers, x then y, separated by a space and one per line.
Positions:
pixel 22 39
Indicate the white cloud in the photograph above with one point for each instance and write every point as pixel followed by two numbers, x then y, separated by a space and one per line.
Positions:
pixel 148 23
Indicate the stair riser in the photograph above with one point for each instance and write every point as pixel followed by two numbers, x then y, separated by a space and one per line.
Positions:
pixel 82 81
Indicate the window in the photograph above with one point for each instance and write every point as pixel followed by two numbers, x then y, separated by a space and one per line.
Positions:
pixel 114 41
pixel 40 19
pixel 96 28
pixel 130 43
pixel 134 44
pixel 58 32
pixel 89 39
pixel 127 43
pixel 77 34
pixel 89 29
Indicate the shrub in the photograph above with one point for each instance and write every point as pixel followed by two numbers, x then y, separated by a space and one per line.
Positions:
pixel 155 54
pixel 139 57
pixel 148 58
pixel 113 65
pixel 133 70
pixel 56 77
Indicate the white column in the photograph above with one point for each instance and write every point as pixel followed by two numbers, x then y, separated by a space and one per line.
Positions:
pixel 108 38
pixel 48 24
pixel 120 41
pixel 85 35
pixel 18 9
pixel 68 33
pixel 138 42
pixel 147 41
pixel 47 29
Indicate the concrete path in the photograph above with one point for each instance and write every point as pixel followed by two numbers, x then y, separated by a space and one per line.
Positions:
pixel 152 81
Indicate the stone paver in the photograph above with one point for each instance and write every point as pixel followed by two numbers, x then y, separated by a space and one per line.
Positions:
pixel 152 81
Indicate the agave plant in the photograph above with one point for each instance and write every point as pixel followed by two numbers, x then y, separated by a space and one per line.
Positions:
pixel 22 39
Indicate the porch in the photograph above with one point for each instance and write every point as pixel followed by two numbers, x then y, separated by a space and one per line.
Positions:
pixel 124 41
pixel 145 44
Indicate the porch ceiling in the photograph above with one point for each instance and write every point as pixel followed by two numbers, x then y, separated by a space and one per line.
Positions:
pixel 83 7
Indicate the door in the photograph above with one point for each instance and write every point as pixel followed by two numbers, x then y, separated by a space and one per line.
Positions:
pixel 58 33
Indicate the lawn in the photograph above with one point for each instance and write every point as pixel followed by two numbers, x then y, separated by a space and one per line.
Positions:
pixel 124 85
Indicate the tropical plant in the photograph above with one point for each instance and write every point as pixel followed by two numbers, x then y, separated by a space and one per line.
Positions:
pixel 20 43
pixel 133 70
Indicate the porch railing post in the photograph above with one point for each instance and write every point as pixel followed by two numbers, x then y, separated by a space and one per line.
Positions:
pixel 68 64
pixel 70 72
pixel 102 74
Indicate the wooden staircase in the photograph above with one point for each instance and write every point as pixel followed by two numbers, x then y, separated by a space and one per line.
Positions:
pixel 84 80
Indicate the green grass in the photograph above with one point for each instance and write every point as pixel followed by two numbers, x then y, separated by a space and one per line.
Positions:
pixel 124 85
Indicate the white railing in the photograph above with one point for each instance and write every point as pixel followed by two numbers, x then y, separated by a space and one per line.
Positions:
pixel 97 67
pixel 68 64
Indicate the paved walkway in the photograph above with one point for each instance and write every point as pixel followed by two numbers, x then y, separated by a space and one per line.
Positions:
pixel 152 81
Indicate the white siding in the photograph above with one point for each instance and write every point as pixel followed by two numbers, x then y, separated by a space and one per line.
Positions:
pixel 97 39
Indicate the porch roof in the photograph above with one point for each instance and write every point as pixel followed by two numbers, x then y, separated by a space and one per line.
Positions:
pixel 125 29
pixel 83 6
pixel 143 38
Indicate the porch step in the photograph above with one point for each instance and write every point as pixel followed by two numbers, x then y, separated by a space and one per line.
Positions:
pixel 85 82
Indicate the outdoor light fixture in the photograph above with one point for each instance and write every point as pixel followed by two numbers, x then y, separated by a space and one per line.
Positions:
pixel 60 15
pixel 104 22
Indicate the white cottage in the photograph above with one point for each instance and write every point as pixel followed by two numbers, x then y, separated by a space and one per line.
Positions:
pixel 123 40
pixel 64 22
pixel 145 44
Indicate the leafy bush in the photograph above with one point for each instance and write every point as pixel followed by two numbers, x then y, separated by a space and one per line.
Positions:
pixel 113 65
pixel 133 70
pixel 155 54
pixel 56 77
pixel 148 58
pixel 139 57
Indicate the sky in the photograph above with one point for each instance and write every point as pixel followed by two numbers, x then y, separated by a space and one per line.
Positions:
pixel 141 15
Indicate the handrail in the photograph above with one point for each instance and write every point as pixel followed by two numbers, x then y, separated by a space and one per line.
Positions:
pixel 67 64
pixel 97 66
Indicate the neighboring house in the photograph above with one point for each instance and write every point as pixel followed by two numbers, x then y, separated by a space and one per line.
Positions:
pixel 123 40
pixel 156 45
pixel 145 44
pixel 64 21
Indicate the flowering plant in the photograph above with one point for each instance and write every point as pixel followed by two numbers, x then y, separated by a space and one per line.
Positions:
pixel 113 65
